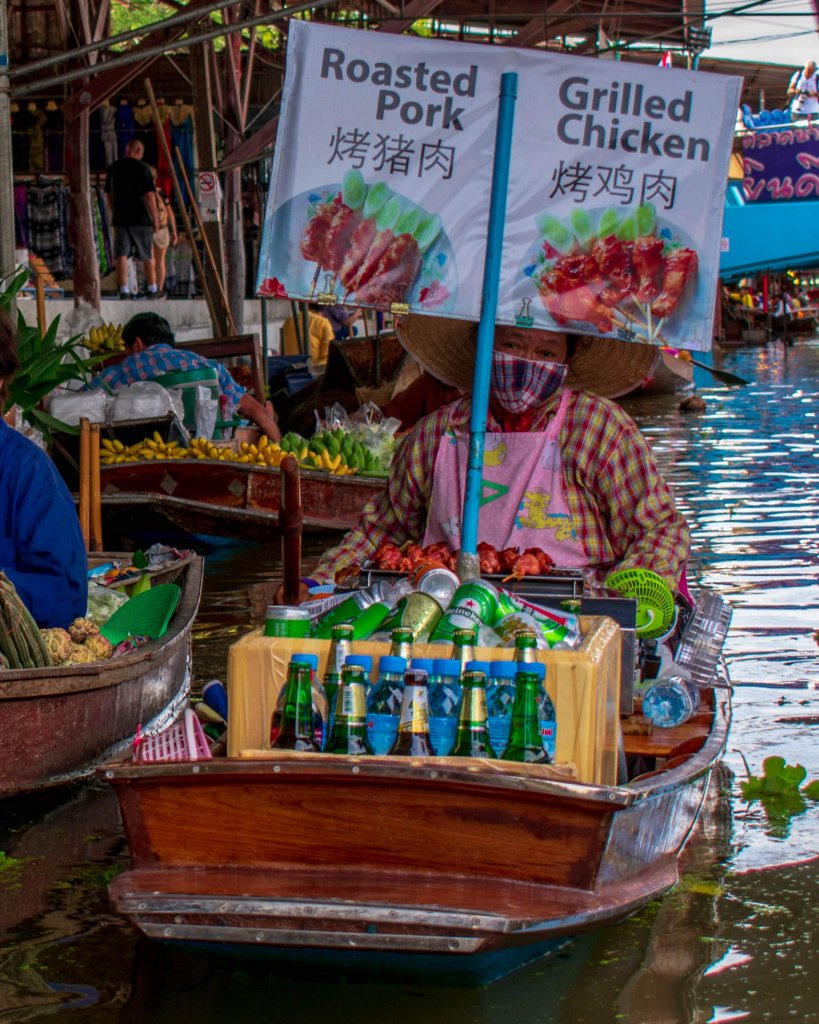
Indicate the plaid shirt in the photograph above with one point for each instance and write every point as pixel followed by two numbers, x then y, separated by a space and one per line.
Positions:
pixel 622 510
pixel 155 360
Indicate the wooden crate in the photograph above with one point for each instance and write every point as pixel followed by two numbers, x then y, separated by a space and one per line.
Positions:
pixel 584 685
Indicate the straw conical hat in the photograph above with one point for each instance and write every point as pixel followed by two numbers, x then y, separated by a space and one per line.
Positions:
pixel 604 366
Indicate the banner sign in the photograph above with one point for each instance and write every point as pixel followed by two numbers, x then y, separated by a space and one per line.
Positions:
pixel 781 165
pixel 382 172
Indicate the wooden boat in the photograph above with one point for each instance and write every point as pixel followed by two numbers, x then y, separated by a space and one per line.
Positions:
pixel 421 865
pixel 57 724
pixel 673 373
pixel 801 322
pixel 229 499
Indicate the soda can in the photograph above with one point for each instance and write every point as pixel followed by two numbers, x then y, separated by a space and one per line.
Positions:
pixel 417 612
pixel 552 623
pixel 474 604
pixel 436 581
pixel 284 621
pixel 346 611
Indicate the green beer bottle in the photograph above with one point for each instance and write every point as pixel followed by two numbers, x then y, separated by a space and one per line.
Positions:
pixel 525 646
pixel 413 728
pixel 349 735
pixel 401 646
pixel 464 646
pixel 525 742
pixel 296 731
pixel 472 738
pixel 340 647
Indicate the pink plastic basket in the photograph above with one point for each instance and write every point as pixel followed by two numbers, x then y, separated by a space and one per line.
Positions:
pixel 184 741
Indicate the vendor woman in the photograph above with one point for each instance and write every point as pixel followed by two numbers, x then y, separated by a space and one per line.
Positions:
pixel 41 545
pixel 565 469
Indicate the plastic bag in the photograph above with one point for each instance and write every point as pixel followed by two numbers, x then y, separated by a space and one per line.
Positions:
pixel 103 602
pixel 207 411
pixel 146 400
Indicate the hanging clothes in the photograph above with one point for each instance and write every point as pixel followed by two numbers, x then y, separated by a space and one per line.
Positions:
pixel 105 226
pixel 125 124
pixel 182 138
pixel 144 131
pixel 21 121
pixel 99 233
pixel 163 168
pixel 47 215
pixel 108 132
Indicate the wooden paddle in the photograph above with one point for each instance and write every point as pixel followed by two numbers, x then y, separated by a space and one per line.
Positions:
pixel 290 525
pixel 723 375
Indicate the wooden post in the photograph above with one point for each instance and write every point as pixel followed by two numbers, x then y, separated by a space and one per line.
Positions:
pixel 95 501
pixel 39 293
pixel 81 220
pixel 85 481
pixel 290 525
pixel 206 153
pixel 217 280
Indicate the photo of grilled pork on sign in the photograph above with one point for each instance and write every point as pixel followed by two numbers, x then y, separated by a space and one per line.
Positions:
pixel 612 269
pixel 374 246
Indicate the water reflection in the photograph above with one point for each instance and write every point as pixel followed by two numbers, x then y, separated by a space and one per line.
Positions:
pixel 736 941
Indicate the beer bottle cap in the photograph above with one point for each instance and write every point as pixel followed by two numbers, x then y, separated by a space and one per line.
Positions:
pixel 359 661
pixel 424 664
pixel 473 676
pixel 393 665
pixel 446 667
pixel 503 669
pixel 342 631
pixel 477 666
pixel 305 659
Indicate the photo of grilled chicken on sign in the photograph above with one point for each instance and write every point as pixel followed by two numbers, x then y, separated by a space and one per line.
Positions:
pixel 620 272
pixel 369 241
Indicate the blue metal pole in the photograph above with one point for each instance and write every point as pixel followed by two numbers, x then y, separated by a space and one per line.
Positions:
pixel 468 562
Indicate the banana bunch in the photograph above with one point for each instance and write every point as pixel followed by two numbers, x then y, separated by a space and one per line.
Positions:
pixel 150 448
pixel 202 448
pixel 105 338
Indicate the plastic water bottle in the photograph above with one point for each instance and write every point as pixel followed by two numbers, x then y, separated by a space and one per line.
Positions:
pixel 500 695
pixel 422 665
pixel 668 702
pixel 384 704
pixel 444 698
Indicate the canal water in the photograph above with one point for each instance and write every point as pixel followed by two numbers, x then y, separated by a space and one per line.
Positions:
pixel 737 940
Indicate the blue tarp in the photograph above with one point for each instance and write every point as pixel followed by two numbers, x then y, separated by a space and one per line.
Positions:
pixel 768 236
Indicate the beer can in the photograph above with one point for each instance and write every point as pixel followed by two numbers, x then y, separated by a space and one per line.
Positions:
pixel 284 621
pixel 346 611
pixel 474 604
pixel 368 621
pixel 436 581
pixel 417 612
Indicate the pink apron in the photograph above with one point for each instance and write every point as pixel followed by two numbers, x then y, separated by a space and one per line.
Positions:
pixel 522 499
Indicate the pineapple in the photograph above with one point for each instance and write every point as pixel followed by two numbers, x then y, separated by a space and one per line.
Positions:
pixel 81 629
pixel 58 643
pixel 99 647
pixel 80 655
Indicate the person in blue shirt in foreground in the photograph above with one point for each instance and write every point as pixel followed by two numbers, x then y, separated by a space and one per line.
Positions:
pixel 41 545
pixel 150 353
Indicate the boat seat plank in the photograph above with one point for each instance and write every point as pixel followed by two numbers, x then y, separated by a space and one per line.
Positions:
pixel 661 742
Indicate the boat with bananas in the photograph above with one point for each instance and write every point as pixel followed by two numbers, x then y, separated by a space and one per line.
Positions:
pixel 468 868
pixel 58 721
pixel 230 488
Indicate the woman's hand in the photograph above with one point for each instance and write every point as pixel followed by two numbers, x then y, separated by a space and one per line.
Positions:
pixel 278 596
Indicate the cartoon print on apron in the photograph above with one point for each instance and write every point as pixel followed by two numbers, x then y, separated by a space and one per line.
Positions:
pixel 523 503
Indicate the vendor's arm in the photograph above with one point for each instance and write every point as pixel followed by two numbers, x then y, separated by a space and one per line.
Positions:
pixel 641 525
pixel 262 415
pixel 399 514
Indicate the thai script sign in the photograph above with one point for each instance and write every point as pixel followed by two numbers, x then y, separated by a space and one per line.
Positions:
pixel 380 189
pixel 781 165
